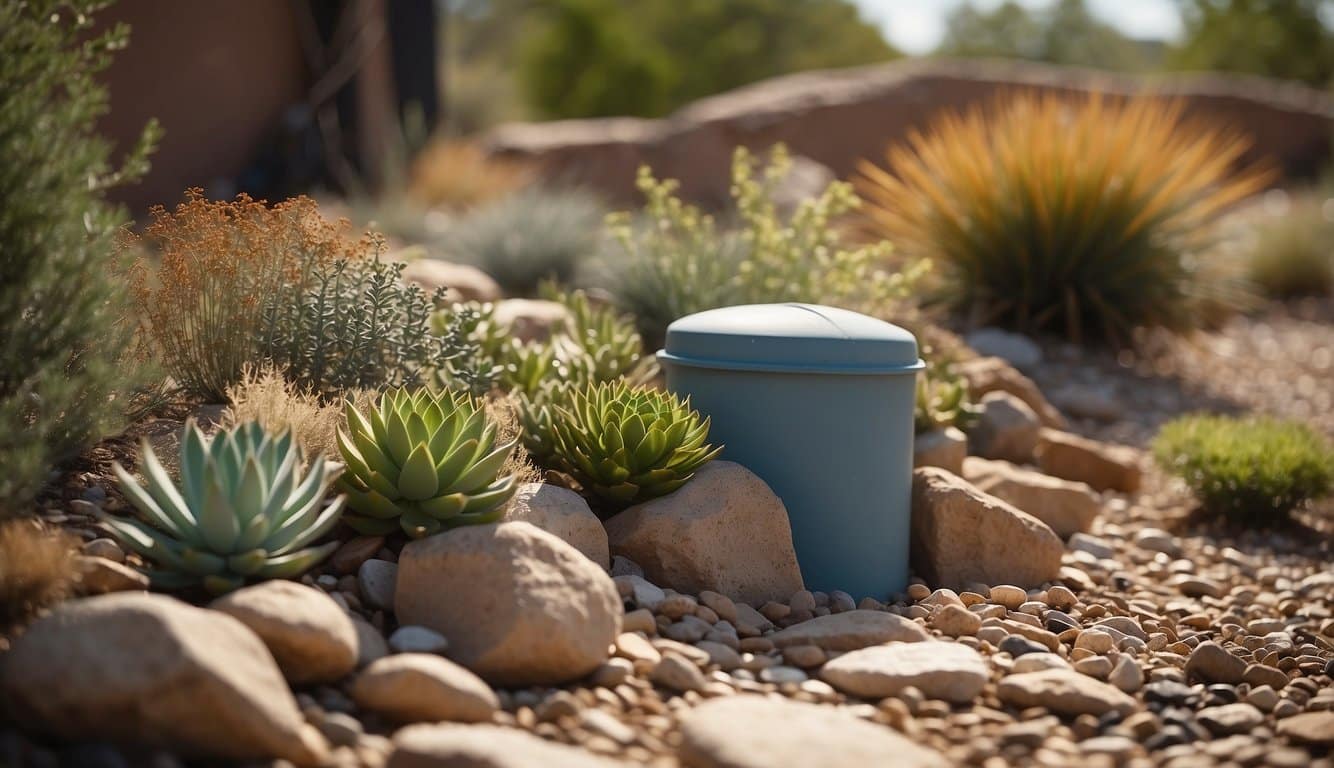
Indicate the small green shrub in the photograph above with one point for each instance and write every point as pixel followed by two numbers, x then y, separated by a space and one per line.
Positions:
pixel 244 510
pixel 355 324
pixel 1085 217
pixel 672 260
pixel 626 445
pixel 60 335
pixel 1293 255
pixel 536 234
pixel 1253 470
pixel 423 462
pixel 598 344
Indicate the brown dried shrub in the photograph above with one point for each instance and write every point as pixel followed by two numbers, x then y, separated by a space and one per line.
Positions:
pixel 219 264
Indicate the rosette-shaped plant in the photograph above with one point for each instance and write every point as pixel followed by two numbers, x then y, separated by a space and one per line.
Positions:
pixel 598 344
pixel 423 462
pixel 626 445
pixel 244 510
pixel 537 418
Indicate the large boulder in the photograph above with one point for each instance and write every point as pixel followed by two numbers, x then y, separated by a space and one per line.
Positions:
pixel 945 448
pixel 485 746
pixel 312 639
pixel 564 513
pixel 1006 428
pixel 962 536
pixel 724 531
pixel 1104 466
pixel 416 687
pixel 839 117
pixel 462 282
pixel 518 605
pixel 1068 507
pixel 758 732
pixel 148 669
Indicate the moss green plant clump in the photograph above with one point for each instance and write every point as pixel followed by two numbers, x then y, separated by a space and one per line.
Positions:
pixel 625 445
pixel 1253 470
pixel 244 510
pixel 423 462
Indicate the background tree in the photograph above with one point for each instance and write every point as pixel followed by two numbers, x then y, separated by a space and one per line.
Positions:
pixel 587 58
pixel 1275 38
pixel 58 306
pixel 1063 33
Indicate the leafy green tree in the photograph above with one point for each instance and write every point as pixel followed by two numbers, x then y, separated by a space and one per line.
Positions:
pixel 1275 38
pixel 589 58
pixel 1065 33
pixel 58 305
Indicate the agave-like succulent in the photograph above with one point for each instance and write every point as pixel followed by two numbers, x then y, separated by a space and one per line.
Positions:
pixel 527 367
pixel 537 418
pixel 598 344
pixel 423 462
pixel 627 445
pixel 243 510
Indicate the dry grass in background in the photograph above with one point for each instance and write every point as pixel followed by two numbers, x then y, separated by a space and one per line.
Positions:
pixel 1292 253
pixel 456 174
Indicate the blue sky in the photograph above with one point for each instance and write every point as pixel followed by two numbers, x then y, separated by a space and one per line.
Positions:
pixel 916 26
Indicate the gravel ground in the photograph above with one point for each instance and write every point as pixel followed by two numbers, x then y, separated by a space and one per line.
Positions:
pixel 1220 640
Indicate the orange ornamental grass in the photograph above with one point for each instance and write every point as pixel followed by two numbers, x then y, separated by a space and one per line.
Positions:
pixel 222 268
pixel 1087 216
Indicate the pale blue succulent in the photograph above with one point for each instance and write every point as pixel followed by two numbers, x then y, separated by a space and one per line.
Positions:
pixel 244 510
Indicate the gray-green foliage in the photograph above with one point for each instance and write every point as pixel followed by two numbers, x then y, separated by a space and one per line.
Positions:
pixel 672 260
pixel 357 325
pixel 244 510
pixel 533 235
pixel 58 309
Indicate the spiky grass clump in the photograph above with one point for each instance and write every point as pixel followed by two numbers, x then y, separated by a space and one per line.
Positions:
pixel 37 570
pixel 1253 470
pixel 1044 214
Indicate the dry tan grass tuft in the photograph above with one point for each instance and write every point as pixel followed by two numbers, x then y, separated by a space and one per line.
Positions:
pixel 37 570
pixel 264 395
pixel 459 174
pixel 505 415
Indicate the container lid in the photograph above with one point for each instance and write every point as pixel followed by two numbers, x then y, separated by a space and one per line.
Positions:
pixel 801 338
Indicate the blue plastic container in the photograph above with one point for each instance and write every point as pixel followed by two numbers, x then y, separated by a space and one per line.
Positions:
pixel 817 401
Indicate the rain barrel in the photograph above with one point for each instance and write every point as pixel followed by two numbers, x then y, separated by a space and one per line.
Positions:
pixel 818 402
